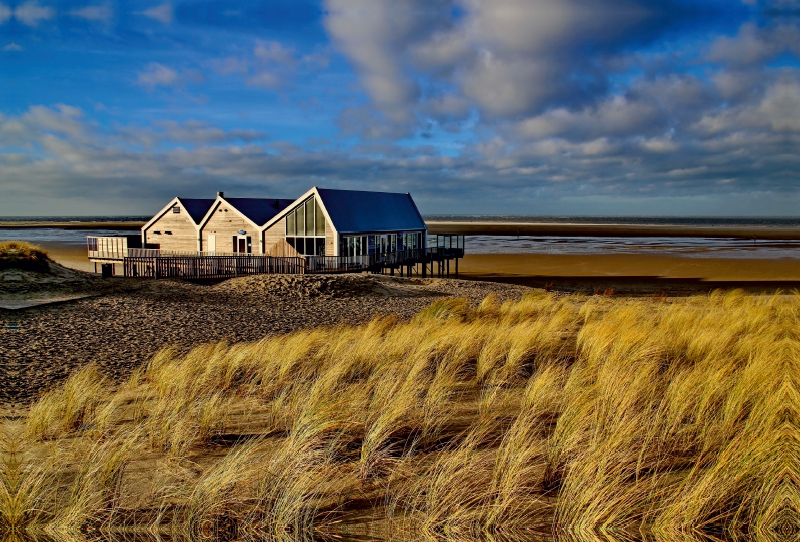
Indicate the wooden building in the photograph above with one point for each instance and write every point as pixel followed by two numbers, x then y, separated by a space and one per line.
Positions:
pixel 321 222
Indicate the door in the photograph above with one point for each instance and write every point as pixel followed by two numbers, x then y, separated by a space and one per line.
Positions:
pixel 212 243
pixel 242 245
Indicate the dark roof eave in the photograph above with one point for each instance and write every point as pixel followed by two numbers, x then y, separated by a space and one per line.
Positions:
pixel 392 230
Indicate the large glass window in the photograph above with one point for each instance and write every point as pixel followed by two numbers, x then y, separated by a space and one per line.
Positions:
pixel 319 229
pixel 305 229
pixel 309 217
pixel 301 220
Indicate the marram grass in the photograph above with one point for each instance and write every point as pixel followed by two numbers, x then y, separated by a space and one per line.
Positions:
pixel 22 255
pixel 565 417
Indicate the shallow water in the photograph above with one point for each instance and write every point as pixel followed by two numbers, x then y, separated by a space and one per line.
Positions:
pixel 699 247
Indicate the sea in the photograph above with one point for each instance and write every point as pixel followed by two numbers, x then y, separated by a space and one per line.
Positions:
pixel 695 247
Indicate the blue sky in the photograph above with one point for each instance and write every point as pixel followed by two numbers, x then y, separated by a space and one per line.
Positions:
pixel 590 107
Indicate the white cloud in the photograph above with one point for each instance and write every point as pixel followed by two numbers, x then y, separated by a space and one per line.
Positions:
pixel 102 13
pixel 370 32
pixel 158 75
pixel 31 13
pixel 265 80
pixel 509 57
pixel 617 116
pixel 781 106
pixel 13 47
pixel 5 13
pixel 162 13
pixel 134 167
pixel 274 52
pixel 230 65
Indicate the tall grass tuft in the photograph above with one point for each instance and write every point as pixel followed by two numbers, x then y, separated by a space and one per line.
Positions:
pixel 24 256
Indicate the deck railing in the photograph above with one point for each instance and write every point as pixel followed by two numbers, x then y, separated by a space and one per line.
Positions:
pixel 211 267
pixel 157 252
pixel 155 263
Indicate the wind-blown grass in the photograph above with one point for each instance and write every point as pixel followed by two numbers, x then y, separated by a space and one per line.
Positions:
pixel 22 255
pixel 564 415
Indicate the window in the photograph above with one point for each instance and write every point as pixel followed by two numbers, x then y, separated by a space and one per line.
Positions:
pixel 319 231
pixel 167 232
pixel 176 209
pixel 156 232
pixel 301 220
pixel 305 228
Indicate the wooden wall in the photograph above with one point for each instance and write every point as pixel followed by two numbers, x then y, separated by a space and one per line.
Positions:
pixel 275 233
pixel 225 224
pixel 330 239
pixel 184 231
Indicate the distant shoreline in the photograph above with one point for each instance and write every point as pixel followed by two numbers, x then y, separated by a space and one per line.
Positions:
pixel 773 233
pixel 72 225
pixel 536 229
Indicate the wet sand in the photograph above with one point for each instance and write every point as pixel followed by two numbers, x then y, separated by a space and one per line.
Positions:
pixel 633 273
pixel 614 230
pixel 642 269
pixel 72 256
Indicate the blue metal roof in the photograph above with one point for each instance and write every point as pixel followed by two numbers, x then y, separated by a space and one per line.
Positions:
pixel 259 210
pixel 353 211
pixel 197 208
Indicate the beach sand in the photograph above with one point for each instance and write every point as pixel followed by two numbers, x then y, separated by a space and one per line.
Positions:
pixel 786 233
pixel 68 255
pixel 632 273
pixel 648 271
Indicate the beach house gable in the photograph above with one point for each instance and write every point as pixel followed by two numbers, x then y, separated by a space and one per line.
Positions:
pixel 303 228
pixel 176 226
pixel 233 225
pixel 326 222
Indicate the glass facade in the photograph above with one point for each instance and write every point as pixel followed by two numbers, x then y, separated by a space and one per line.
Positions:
pixel 377 244
pixel 305 229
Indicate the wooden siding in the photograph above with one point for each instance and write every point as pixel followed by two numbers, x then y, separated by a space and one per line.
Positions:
pixel 184 231
pixel 282 249
pixel 331 247
pixel 275 233
pixel 227 224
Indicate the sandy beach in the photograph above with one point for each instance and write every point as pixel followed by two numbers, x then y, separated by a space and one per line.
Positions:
pixel 614 267
pixel 613 230
pixel 630 273
pixel 120 323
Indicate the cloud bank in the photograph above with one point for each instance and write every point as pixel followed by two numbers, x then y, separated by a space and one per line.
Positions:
pixel 483 106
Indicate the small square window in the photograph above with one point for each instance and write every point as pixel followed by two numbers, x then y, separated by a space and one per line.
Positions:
pixel 176 209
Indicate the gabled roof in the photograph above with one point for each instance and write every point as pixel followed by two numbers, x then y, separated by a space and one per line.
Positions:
pixel 197 208
pixel 259 210
pixel 360 211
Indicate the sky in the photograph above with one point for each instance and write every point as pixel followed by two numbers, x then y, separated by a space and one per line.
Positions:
pixel 532 107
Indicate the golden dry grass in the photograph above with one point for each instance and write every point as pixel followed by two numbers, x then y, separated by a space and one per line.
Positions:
pixel 575 417
pixel 22 255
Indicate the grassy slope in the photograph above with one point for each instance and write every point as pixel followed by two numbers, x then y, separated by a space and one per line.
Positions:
pixel 591 417
pixel 22 255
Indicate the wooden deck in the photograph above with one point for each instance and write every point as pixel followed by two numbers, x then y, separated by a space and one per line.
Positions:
pixel 422 262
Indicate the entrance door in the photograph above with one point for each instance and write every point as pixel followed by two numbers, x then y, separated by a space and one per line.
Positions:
pixel 242 245
pixel 212 243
